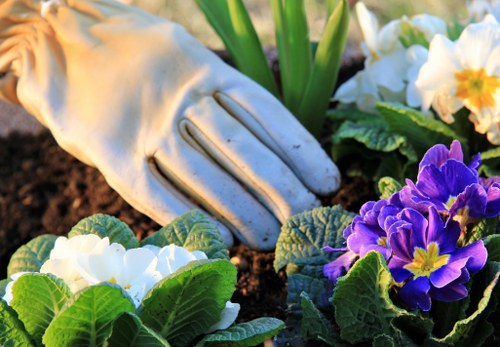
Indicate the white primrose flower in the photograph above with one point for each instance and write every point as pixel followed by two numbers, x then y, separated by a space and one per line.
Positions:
pixel 391 64
pixel 62 260
pixel 479 9
pixel 134 269
pixel 465 73
pixel 228 316
pixel 8 289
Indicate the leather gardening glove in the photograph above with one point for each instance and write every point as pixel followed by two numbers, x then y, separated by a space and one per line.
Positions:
pixel 168 124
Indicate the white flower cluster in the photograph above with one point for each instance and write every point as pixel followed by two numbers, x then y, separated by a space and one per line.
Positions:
pixel 448 76
pixel 86 260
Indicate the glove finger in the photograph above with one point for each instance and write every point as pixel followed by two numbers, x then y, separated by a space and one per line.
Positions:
pixel 240 153
pixel 275 126
pixel 218 192
pixel 148 191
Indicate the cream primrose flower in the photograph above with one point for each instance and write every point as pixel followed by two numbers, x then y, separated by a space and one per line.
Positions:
pixel 388 64
pixel 465 73
pixel 62 259
pixel 478 9
pixel 172 257
pixel 134 269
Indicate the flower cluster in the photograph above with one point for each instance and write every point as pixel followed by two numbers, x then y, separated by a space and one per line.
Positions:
pixel 420 229
pixel 393 57
pixel 85 260
pixel 414 62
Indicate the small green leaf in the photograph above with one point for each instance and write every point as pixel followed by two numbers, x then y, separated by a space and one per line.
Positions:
pixel 12 332
pixel 103 225
pixel 492 244
pixel 387 186
pixel 31 256
pixel 128 331
pixel 314 325
pixel 493 153
pixel 37 298
pixel 384 341
pixel 352 114
pixel 466 328
pixel 373 134
pixel 187 303
pixel 485 227
pixel 303 235
pixel 363 309
pixel 317 289
pixel 3 285
pixel 87 318
pixel 421 131
pixel 193 231
pixel 245 334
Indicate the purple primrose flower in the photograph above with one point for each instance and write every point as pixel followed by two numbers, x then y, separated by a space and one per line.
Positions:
pixel 445 182
pixel 425 258
pixel 367 232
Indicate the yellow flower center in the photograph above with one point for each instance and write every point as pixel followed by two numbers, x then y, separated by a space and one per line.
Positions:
pixel 451 201
pixel 427 261
pixel 112 280
pixel 382 241
pixel 477 87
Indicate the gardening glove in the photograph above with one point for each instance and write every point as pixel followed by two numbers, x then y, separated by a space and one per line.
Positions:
pixel 168 124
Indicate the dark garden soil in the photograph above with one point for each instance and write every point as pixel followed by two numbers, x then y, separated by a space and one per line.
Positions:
pixel 44 190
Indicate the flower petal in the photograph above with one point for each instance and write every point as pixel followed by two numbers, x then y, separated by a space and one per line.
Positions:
pixel 415 293
pixel 475 253
pixel 228 316
pixel 333 270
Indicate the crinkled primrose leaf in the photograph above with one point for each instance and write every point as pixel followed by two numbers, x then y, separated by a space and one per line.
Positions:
pixel 193 231
pixel 31 256
pixel 187 303
pixel 303 235
pixel 12 332
pixel 38 298
pixel 87 318
pixel 315 326
pixel 245 334
pixel 129 331
pixel 103 225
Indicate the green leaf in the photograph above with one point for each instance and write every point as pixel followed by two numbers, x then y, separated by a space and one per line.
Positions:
pixel 12 332
pixel 493 153
pixel 314 325
pixel 104 225
pixel 352 113
pixel 193 231
pixel 3 285
pixel 245 334
pixel 128 331
pixel 230 20
pixel 363 309
pixel 466 328
pixel 384 341
pixel 294 49
pixel 325 70
pixel 373 134
pixel 317 289
pixel 31 256
pixel 37 298
pixel 187 303
pixel 387 186
pixel 492 244
pixel 485 227
pixel 303 235
pixel 87 318
pixel 421 132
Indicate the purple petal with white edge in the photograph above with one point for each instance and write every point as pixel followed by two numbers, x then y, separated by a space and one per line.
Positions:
pixel 331 249
pixel 364 249
pixel 387 211
pixel 458 176
pixel 488 182
pixel 409 193
pixel 493 201
pixel 432 183
pixel 367 206
pixel 475 253
pixel 342 264
pixel 398 272
pixel 436 155
pixel 447 273
pixel 419 226
pixel 415 293
pixel 400 244
pixel 474 199
pixel 447 237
